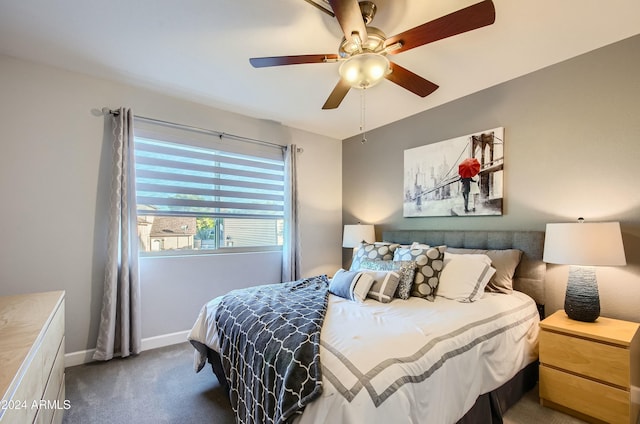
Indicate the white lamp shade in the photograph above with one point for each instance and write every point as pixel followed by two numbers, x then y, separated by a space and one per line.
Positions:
pixel 586 244
pixel 356 234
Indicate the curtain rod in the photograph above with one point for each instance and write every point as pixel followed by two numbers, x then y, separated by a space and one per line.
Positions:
pixel 106 110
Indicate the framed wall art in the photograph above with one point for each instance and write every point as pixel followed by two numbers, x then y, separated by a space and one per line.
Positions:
pixel 462 176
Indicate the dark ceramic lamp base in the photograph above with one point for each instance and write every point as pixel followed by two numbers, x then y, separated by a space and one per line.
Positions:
pixel 582 301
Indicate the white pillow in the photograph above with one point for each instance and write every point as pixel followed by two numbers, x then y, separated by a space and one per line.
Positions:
pixel 416 245
pixel 352 285
pixel 464 277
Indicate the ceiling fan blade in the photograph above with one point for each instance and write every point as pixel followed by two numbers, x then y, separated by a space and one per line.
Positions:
pixel 336 96
pixel 349 17
pixel 263 62
pixel 412 82
pixel 467 19
pixel 319 6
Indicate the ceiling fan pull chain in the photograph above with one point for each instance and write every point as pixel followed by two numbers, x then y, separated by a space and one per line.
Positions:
pixel 362 116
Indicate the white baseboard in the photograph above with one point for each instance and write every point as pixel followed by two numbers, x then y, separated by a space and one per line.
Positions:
pixel 78 358
pixel 165 340
pixel 86 356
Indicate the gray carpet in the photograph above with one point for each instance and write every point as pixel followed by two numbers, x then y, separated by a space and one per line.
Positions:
pixel 159 386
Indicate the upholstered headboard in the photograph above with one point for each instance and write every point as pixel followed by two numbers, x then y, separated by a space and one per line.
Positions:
pixel 529 276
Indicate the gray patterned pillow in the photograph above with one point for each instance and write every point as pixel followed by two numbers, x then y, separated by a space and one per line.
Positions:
pixel 384 284
pixel 406 270
pixel 374 252
pixel 430 263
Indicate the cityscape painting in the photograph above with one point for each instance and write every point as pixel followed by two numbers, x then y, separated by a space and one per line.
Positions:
pixel 462 176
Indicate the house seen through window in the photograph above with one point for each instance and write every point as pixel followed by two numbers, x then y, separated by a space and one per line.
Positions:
pixel 194 199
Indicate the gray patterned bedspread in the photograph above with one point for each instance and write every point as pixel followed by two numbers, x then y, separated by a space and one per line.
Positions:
pixel 270 348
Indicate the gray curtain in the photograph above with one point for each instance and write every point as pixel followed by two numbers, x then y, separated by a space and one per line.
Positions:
pixel 291 245
pixel 120 324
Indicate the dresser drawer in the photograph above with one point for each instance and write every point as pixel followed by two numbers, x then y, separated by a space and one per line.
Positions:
pixel 31 356
pixel 586 396
pixel 58 414
pixel 51 342
pixel 600 361
pixel 50 403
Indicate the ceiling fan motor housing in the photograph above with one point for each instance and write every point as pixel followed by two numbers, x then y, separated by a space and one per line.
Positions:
pixel 374 44
pixel 368 9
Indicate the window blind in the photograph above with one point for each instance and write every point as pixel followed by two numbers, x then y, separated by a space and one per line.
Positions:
pixel 175 179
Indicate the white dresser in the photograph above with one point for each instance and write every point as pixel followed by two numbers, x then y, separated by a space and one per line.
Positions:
pixel 32 358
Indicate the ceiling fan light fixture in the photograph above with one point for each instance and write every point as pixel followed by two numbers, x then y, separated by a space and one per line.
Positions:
pixel 364 70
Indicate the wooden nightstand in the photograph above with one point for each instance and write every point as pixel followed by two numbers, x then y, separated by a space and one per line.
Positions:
pixel 587 368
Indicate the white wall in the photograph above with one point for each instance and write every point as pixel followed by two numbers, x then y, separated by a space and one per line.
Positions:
pixel 572 148
pixel 54 180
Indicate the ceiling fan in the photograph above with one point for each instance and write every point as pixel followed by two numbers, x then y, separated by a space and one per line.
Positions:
pixel 364 48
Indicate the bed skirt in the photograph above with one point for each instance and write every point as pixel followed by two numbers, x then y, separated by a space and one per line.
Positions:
pixel 488 408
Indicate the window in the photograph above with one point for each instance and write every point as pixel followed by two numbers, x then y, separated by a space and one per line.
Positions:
pixel 193 198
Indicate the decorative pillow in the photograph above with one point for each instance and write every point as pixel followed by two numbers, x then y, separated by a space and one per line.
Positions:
pixel 372 251
pixel 464 277
pixel 505 261
pixel 384 285
pixel 352 285
pixel 406 270
pixel 416 245
pixel 430 263
pixel 395 245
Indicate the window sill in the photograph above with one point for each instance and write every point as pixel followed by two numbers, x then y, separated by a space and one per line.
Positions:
pixel 209 252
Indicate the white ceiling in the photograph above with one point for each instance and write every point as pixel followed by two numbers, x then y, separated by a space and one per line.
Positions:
pixel 199 50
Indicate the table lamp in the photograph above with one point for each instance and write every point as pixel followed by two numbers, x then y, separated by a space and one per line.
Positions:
pixel 583 246
pixel 356 234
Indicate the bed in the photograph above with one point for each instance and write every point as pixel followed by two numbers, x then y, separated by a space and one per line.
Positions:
pixel 409 360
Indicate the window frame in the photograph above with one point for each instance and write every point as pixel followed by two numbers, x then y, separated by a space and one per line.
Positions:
pixel 202 139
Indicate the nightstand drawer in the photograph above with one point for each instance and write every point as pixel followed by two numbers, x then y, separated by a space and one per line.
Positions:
pixel 600 361
pixel 597 400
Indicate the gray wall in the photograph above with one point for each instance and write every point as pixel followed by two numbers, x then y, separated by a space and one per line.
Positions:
pixel 55 163
pixel 572 148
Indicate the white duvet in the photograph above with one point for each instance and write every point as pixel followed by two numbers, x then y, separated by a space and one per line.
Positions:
pixel 410 361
